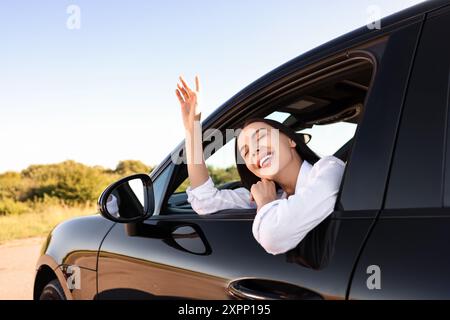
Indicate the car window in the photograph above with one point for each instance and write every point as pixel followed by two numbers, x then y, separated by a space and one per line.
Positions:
pixel 159 186
pixel 325 139
pixel 221 166
pixel 325 115
pixel 329 138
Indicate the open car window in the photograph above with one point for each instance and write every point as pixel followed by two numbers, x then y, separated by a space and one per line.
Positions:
pixel 325 113
pixel 324 139
pixel 328 139
pixel 221 167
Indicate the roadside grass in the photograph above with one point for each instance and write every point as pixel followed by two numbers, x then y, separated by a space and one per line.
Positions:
pixel 40 222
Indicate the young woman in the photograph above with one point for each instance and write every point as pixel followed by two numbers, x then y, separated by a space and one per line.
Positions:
pixel 292 189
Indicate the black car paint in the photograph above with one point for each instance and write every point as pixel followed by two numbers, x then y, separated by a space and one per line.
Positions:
pixel 146 261
pixel 74 242
pixel 410 239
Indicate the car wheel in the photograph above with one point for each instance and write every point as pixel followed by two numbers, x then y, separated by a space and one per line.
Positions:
pixel 53 291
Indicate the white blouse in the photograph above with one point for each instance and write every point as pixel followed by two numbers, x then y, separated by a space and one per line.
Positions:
pixel 280 225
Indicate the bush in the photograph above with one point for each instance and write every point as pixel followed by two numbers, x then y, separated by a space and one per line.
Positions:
pixel 220 176
pixel 12 186
pixel 12 207
pixel 73 184
pixel 128 167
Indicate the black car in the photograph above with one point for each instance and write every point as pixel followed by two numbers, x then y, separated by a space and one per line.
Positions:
pixel 388 235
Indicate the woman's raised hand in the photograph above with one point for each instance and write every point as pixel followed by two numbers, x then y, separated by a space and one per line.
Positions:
pixel 189 100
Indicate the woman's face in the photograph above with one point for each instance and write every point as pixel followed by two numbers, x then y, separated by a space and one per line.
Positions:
pixel 265 150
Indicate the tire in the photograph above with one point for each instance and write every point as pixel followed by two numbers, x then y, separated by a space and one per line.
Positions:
pixel 52 291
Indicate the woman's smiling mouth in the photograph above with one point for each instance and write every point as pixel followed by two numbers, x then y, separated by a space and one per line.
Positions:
pixel 265 161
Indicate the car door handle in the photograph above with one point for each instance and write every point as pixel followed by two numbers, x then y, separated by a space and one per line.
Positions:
pixel 263 289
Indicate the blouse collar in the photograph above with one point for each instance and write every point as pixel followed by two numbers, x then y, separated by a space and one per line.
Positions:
pixel 302 177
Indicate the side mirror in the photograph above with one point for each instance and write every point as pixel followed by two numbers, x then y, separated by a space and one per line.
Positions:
pixel 128 200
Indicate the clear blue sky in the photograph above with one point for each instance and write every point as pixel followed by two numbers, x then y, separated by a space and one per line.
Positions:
pixel 105 92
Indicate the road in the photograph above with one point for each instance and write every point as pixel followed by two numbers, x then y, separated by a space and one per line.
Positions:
pixel 17 262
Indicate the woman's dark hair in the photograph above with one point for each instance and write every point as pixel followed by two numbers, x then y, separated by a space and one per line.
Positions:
pixel 247 177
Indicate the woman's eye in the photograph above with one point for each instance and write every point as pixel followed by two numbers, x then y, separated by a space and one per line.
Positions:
pixel 262 137
pixel 259 141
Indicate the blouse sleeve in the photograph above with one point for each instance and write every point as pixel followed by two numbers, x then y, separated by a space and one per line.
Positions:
pixel 206 198
pixel 281 224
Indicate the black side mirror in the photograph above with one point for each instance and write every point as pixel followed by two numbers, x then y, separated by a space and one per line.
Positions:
pixel 128 200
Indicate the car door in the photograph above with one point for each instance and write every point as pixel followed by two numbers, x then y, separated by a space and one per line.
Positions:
pixel 216 256
pixel 408 246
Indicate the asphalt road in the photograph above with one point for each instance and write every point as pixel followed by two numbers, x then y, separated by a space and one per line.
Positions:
pixel 17 268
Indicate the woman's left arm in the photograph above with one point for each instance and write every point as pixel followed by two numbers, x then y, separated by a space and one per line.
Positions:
pixel 280 225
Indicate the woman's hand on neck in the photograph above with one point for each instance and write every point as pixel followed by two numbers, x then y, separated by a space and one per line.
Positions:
pixel 263 192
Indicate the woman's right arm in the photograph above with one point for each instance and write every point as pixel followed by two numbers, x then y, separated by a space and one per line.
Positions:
pixel 204 197
pixel 189 99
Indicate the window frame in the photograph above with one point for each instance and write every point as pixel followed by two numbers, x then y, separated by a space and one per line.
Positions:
pixel 424 89
pixel 340 60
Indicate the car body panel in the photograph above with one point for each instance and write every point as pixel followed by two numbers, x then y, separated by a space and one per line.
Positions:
pixel 409 241
pixel 74 242
pixel 151 265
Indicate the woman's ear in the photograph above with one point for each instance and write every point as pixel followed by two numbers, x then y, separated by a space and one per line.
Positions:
pixel 292 143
